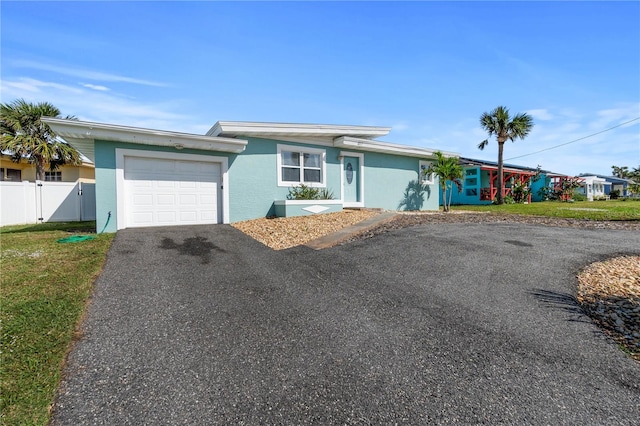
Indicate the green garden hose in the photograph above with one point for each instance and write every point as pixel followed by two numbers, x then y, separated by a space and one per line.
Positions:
pixel 76 238
pixel 79 238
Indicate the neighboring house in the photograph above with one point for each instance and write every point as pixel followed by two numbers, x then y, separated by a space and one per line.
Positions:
pixel 594 187
pixel 17 172
pixel 615 184
pixel 481 180
pixel 244 170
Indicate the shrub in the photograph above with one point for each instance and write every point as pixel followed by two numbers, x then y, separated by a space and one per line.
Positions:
pixel 579 197
pixel 520 192
pixel 305 192
pixel 615 194
pixel 325 194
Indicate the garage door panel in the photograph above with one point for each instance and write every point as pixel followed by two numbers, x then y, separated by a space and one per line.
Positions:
pixel 166 217
pixel 142 218
pixel 143 200
pixel 208 215
pixel 188 199
pixel 188 194
pixel 207 200
pixel 189 216
pixel 166 199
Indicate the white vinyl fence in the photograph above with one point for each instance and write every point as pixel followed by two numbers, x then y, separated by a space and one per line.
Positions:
pixel 37 202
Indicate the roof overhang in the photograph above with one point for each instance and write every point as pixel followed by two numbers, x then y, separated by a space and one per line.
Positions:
pixel 83 134
pixel 387 148
pixel 509 170
pixel 259 129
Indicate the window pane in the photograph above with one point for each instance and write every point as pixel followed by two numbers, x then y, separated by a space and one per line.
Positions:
pixel 312 160
pixel 53 176
pixel 290 158
pixel 312 175
pixel 290 175
pixel 14 175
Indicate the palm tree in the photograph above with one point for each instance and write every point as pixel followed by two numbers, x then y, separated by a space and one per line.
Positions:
pixel 499 123
pixel 25 136
pixel 449 172
pixel 621 172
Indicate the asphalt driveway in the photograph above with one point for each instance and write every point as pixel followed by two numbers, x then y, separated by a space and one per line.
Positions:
pixel 442 323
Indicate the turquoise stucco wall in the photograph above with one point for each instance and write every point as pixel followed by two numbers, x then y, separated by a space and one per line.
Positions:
pixel 253 179
pixel 387 184
pixel 543 182
pixel 474 180
pixel 254 187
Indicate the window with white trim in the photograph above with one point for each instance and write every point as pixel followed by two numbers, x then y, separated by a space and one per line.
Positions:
pixel 426 178
pixel 298 165
pixel 53 176
pixel 11 174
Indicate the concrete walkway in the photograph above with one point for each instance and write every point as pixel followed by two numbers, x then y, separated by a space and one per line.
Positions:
pixel 346 233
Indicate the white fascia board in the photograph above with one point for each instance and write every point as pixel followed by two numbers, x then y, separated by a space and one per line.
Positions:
pixel 246 128
pixel 79 130
pixel 387 148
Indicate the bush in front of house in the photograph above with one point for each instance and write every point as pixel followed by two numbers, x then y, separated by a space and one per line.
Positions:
pixel 305 192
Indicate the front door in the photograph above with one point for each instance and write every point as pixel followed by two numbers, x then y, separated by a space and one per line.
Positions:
pixel 351 181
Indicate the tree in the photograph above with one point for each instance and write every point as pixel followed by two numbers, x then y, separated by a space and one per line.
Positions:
pixel 621 172
pixel 449 172
pixel 499 123
pixel 624 173
pixel 25 136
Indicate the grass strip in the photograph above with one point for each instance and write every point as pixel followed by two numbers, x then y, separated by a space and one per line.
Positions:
pixel 590 210
pixel 44 286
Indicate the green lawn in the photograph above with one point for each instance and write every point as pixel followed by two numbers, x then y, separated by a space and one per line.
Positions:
pixel 593 210
pixel 44 286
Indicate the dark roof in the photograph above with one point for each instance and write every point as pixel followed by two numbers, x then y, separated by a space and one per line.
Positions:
pixel 465 161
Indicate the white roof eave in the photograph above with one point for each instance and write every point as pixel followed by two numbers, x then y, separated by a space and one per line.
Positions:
pixel 84 130
pixel 247 128
pixel 388 148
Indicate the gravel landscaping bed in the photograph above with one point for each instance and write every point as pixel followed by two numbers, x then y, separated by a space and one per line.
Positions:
pixel 285 232
pixel 609 291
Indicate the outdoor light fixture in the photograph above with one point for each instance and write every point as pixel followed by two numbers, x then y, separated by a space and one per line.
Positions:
pixel 178 146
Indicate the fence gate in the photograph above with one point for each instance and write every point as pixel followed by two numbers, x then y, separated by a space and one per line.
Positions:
pixel 87 193
pixel 29 202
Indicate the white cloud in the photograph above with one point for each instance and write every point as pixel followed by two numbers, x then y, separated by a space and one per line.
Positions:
pixel 103 106
pixel 540 114
pixel 84 74
pixel 95 87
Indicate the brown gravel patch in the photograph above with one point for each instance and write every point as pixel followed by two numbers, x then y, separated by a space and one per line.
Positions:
pixel 404 220
pixel 284 232
pixel 609 292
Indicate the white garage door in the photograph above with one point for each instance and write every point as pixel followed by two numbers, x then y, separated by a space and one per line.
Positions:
pixel 161 192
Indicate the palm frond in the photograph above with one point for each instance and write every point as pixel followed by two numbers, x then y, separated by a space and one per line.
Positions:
pixel 25 136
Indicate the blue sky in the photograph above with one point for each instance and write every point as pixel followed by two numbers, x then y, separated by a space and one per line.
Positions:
pixel 426 69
